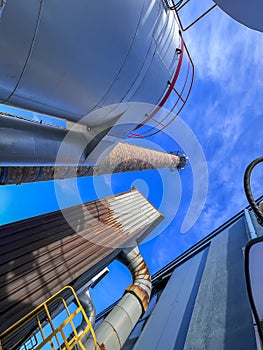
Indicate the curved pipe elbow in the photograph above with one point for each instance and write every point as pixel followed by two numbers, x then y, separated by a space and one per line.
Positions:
pixel 142 285
pixel 113 332
pixel 88 306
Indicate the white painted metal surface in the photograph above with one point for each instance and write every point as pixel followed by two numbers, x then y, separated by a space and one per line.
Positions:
pixel 251 232
pixel 87 62
pixel 248 13
pixel 70 58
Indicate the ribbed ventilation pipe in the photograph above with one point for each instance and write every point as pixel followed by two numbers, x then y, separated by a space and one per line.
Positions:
pixel 112 333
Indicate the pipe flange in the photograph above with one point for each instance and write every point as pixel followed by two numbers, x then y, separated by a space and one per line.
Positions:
pixel 140 294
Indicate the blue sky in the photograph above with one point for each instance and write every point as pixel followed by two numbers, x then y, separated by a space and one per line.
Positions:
pixel 224 111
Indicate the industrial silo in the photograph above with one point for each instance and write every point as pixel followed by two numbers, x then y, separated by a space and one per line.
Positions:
pixel 91 63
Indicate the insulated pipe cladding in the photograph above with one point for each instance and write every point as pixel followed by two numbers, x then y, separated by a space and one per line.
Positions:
pixel 122 158
pixel 112 333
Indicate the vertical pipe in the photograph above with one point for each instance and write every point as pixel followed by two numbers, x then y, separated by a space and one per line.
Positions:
pixel 88 306
pixel 249 225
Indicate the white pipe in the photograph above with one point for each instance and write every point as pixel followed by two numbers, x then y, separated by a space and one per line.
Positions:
pixel 88 306
pixel 112 333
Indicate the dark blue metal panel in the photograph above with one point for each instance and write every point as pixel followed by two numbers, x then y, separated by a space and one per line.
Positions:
pixel 222 317
pixel 180 340
pixel 167 326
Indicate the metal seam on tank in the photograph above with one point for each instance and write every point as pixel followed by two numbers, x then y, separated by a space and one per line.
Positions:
pixel 165 34
pixel 156 36
pixel 115 79
pixel 140 70
pixel 155 52
pixel 145 75
pixel 149 66
pixel 29 54
pixel 169 40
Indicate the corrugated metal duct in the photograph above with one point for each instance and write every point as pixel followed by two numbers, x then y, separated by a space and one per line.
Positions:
pixel 113 332
pixel 43 254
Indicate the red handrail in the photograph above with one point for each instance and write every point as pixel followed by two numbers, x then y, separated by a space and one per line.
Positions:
pixel 169 90
pixel 152 130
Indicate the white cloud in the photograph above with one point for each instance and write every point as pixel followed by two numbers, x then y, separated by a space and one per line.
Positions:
pixel 225 110
pixel 223 50
pixel 160 257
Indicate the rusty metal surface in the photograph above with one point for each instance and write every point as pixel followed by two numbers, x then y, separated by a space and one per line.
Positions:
pixel 122 158
pixel 42 254
pixel 141 295
pixel 127 157
pixel 142 284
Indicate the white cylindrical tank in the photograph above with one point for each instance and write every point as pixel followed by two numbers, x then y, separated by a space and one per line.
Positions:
pixel 68 58
pixel 248 13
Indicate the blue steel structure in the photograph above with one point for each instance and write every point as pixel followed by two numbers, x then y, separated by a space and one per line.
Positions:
pixel 199 300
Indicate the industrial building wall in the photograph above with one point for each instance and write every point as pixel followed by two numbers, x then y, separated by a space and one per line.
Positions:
pixel 204 304
pixel 221 318
pixel 41 255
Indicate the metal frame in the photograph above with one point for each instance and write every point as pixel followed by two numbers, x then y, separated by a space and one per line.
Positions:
pixel 177 7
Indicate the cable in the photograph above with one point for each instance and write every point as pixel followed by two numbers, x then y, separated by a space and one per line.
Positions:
pixel 249 286
pixel 247 187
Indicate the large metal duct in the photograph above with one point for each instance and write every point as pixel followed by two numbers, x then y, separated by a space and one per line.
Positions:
pixel 113 57
pixel 122 158
pixel 27 142
pixel 112 333
pixel 68 58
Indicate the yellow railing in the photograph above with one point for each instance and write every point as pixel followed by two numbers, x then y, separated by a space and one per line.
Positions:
pixel 40 329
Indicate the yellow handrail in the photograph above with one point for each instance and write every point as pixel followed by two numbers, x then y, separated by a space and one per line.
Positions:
pixel 15 337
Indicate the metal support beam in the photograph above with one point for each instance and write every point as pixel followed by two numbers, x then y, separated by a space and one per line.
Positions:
pixel 249 225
